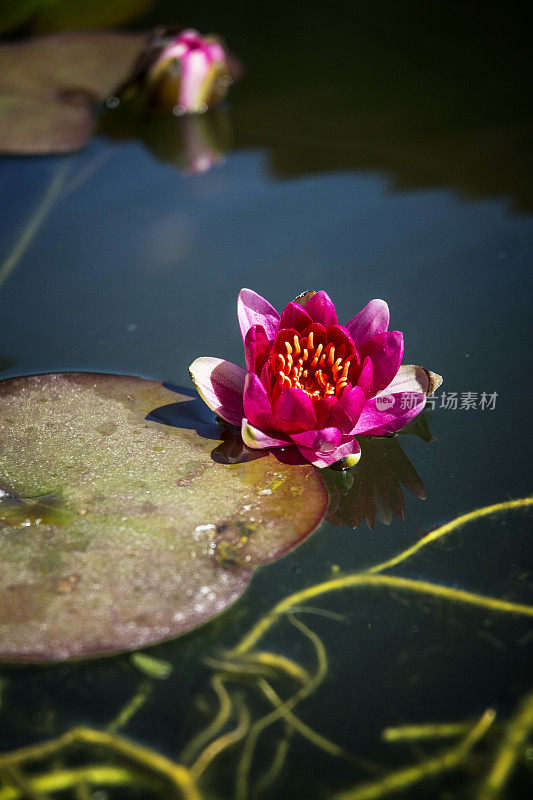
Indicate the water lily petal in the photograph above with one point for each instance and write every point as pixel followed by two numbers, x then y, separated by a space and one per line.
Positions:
pixel 389 413
pixel 348 409
pixel 323 440
pixel 294 412
pixel 349 449
pixel 323 409
pixel 257 440
pixel 256 349
pixel 252 309
pixel 412 378
pixel 321 309
pixel 386 351
pixel 371 321
pixel 319 333
pixel 339 335
pixel 220 384
pixel 257 407
pixel 366 376
pixel 294 316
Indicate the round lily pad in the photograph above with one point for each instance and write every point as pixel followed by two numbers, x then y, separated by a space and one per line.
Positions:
pixel 49 85
pixel 120 524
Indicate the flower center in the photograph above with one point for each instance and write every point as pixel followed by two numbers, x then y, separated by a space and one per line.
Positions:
pixel 320 371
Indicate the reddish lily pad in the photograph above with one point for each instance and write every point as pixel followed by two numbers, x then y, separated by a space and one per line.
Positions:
pixel 49 85
pixel 117 530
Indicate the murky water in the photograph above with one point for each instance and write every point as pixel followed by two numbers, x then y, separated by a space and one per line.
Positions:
pixel 375 151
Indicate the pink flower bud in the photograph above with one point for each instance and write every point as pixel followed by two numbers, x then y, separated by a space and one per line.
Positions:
pixel 190 74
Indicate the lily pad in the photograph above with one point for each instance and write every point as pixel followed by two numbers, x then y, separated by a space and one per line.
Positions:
pixel 118 528
pixel 53 15
pixel 49 85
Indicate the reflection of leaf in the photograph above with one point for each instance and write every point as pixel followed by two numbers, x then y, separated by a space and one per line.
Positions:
pixel 48 86
pixel 53 15
pixel 373 490
pixel 154 536
pixel 419 427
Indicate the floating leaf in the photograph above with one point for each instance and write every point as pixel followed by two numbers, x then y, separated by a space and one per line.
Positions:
pixel 52 15
pixel 117 526
pixel 48 86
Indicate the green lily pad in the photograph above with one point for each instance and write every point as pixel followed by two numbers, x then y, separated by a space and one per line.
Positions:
pixel 53 15
pixel 48 86
pixel 118 528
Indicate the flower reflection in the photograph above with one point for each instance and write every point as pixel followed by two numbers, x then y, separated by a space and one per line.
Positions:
pixel 194 144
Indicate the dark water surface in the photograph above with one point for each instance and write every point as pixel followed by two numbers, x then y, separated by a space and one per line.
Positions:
pixel 376 151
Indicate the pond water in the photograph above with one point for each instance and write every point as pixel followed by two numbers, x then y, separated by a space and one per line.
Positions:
pixel 371 152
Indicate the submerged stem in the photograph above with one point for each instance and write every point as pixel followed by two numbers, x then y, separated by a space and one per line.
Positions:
pixel 257 728
pixel 34 223
pixel 367 580
pixel 224 741
pixel 449 527
pixel 133 705
pixel 402 779
pixel 438 730
pixel 280 755
pixel 311 735
pixel 178 775
pixel 222 716
pixel 92 775
pixel 517 732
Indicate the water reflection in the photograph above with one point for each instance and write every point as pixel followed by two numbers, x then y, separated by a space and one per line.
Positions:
pixel 373 490
pixel 193 144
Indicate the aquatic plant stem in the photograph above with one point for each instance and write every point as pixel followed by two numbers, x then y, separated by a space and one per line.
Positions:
pixel 517 732
pixel 92 775
pixel 178 775
pixel 18 781
pixel 34 223
pixel 243 770
pixel 222 716
pixel 224 741
pixel 308 733
pixel 410 733
pixel 132 706
pixel 402 779
pixel 280 755
pixel 449 527
pixel 374 581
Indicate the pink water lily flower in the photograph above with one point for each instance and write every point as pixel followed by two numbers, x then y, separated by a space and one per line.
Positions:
pixel 312 382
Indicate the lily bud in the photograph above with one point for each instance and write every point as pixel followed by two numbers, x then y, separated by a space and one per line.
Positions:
pixel 190 74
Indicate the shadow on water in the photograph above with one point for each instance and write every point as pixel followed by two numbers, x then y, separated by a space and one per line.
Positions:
pixel 434 96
